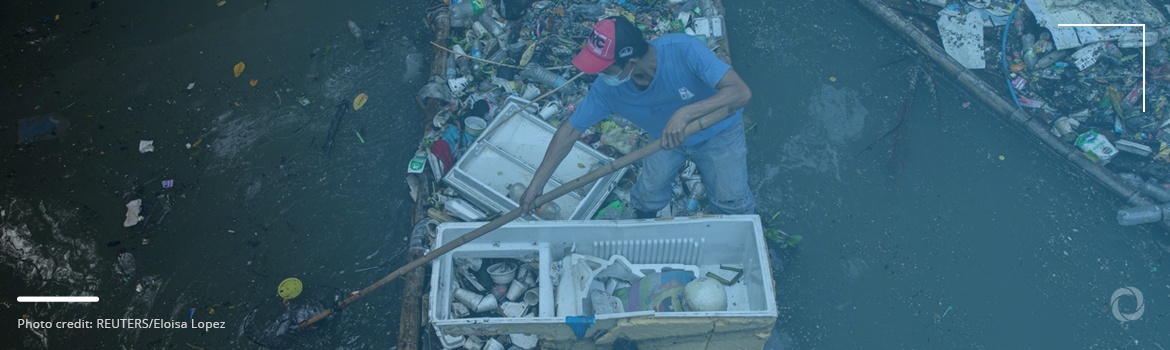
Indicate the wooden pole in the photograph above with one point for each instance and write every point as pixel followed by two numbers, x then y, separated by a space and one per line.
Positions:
pixel 1037 128
pixel 410 315
pixel 588 178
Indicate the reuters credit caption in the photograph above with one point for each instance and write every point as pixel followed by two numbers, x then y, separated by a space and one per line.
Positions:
pixel 120 323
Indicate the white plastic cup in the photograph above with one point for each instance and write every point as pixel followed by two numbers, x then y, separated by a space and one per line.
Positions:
pixel 474 125
pixel 516 290
pixel 502 273
pixel 487 303
pixel 549 110
pixel 531 92
pixel 530 280
pixel 531 297
pixel 469 298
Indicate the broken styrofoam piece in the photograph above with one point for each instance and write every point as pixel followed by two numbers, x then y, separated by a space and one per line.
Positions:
pixel 604 303
pixel 524 341
pixel 458 310
pixel 145 146
pixel 492 343
pixel 132 210
pixel 457 85
pixel 451 341
pixel 472 264
pixel 511 309
pixel 962 38
pixel 473 343
pixel 1133 147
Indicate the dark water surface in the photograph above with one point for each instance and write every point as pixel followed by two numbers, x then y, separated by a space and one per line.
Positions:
pixel 1022 250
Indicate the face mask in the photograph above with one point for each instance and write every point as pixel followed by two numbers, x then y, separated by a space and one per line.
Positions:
pixel 613 80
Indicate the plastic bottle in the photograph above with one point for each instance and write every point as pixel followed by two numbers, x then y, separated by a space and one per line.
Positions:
pixel 498 56
pixel 537 74
pixel 1148 188
pixel 549 211
pixel 477 52
pixel 461 13
pixel 1051 58
pixel 477 6
pixel 489 23
pixel 516 190
pixel 588 11
pixel 697 194
pixel 1141 215
pixel 451 72
pixel 1030 59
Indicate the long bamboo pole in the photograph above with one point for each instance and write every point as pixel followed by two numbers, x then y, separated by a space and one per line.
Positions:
pixel 410 315
pixel 588 178
pixel 1006 110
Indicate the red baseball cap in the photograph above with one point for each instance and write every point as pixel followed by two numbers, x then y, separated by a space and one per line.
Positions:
pixel 613 38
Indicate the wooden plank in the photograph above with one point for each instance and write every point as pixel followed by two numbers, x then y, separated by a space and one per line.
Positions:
pixel 411 316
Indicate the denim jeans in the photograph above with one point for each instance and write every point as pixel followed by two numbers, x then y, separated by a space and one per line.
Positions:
pixel 722 162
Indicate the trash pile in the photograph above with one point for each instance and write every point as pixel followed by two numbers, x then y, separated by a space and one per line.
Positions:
pixel 1085 81
pixel 505 288
pixel 523 48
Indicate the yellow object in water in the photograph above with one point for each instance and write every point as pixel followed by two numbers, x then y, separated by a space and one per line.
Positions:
pixel 360 100
pixel 239 69
pixel 289 288
pixel 253 82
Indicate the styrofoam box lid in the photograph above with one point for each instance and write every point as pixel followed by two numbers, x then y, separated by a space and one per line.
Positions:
pixel 511 149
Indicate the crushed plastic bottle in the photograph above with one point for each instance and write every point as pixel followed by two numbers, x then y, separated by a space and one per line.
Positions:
pixel 450 71
pixel 477 52
pixel 694 185
pixel 1147 188
pixel 591 12
pixel 537 74
pixel 1144 214
pixel 462 13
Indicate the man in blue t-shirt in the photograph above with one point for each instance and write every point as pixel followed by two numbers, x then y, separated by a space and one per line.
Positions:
pixel 661 86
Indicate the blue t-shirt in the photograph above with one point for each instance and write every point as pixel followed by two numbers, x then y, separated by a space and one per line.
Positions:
pixel 687 72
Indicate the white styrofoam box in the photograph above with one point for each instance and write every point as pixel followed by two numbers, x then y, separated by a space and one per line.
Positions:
pixel 702 243
pixel 702 26
pixel 709 26
pixel 717 26
pixel 510 150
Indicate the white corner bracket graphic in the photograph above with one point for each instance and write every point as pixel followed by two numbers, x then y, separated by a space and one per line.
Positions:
pixel 1143 49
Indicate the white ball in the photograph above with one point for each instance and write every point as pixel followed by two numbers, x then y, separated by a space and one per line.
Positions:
pixel 705 294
